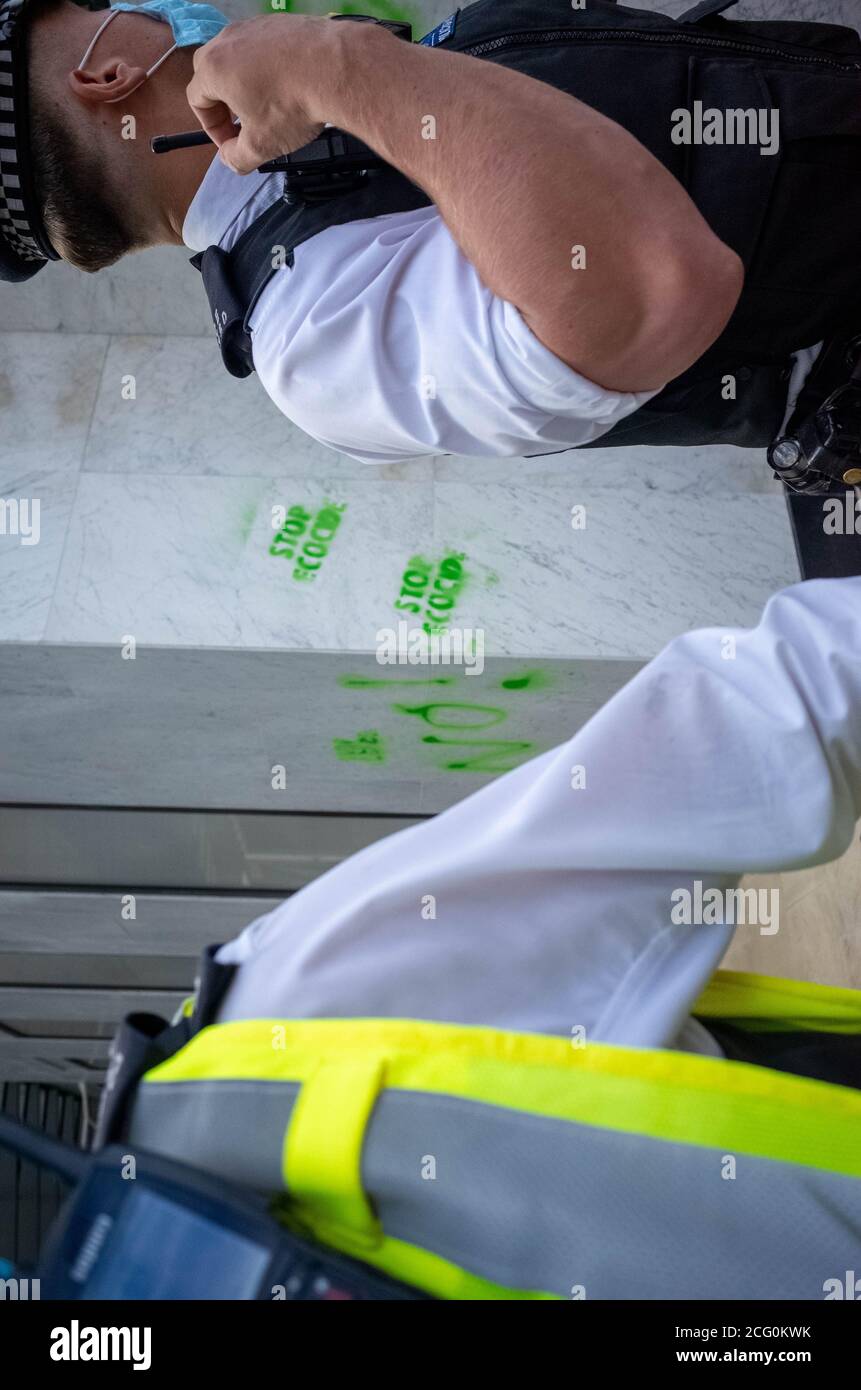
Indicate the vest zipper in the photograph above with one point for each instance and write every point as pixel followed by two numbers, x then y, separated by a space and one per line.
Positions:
pixel 478 50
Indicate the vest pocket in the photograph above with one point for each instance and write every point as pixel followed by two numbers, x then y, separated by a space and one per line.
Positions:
pixel 728 130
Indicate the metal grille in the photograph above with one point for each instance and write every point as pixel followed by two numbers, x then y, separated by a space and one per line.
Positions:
pixel 30 1197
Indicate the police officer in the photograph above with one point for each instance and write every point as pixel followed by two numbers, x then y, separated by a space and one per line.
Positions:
pixel 532 273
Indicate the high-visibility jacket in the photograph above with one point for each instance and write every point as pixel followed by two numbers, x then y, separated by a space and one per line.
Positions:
pixel 477 1163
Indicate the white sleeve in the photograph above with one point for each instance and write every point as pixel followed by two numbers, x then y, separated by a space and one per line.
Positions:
pixel 553 887
pixel 384 343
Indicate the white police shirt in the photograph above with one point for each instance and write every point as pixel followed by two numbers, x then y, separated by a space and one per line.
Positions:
pixel 557 906
pixel 382 341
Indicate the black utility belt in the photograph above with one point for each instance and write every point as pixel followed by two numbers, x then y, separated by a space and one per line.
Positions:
pixel 821 450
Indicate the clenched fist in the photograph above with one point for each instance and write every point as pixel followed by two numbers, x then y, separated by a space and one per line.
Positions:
pixel 270 74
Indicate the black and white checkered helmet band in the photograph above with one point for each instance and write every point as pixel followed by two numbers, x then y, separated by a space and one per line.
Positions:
pixel 20 223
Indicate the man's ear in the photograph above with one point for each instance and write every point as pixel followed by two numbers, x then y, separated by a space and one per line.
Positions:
pixel 105 82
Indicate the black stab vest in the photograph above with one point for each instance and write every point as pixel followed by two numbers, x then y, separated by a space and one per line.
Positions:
pixel 793 217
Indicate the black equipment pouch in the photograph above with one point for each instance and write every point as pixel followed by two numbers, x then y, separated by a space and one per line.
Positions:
pixel 142 1041
pixel 228 307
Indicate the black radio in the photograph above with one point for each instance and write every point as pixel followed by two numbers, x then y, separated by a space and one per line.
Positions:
pixel 333 164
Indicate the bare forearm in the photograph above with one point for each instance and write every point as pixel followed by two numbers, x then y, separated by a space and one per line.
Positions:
pixel 523 174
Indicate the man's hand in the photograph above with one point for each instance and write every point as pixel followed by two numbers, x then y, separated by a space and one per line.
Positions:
pixel 260 71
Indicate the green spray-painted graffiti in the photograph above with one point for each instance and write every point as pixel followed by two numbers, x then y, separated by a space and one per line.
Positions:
pixel 529 680
pixel 429 714
pixel 378 9
pixel 430 589
pixel 496 756
pixel 367 747
pixel 460 717
pixel 315 548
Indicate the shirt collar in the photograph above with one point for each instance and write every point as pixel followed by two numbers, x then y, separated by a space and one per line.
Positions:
pixel 225 204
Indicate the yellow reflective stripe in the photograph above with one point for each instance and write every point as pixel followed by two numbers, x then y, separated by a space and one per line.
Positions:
pixel 323 1146
pixel 410 1263
pixel 767 1003
pixel 422 1268
pixel 425 1270
pixel 665 1095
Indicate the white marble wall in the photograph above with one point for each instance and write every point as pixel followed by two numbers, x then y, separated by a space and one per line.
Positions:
pixel 156 512
pixel 156 520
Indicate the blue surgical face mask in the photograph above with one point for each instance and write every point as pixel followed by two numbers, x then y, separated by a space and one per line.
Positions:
pixel 191 25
